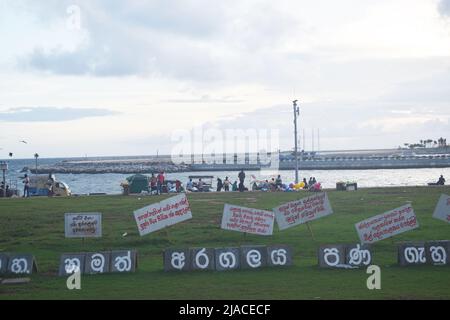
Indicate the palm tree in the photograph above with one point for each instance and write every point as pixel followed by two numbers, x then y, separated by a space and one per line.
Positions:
pixel 36 156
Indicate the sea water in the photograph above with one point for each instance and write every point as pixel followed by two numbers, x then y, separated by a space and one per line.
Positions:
pixel 109 183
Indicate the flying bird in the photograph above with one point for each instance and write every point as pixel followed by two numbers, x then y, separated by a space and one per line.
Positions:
pixel 23 141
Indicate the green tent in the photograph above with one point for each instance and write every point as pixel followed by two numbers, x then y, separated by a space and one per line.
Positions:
pixel 138 183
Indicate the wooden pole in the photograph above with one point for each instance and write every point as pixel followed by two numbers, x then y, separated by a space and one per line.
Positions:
pixel 310 231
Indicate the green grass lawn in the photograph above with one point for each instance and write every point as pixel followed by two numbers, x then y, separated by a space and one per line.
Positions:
pixel 37 226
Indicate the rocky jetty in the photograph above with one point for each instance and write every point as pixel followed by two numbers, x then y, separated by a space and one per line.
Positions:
pixel 110 166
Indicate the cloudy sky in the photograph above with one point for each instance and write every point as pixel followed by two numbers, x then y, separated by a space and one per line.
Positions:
pixel 117 78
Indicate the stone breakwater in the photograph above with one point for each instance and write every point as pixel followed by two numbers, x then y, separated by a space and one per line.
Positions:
pixel 109 166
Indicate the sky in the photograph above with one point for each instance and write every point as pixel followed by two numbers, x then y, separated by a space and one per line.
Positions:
pixel 103 78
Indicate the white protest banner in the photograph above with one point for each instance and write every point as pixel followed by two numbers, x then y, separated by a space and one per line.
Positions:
pixel 247 220
pixel 387 224
pixel 301 211
pixel 83 225
pixel 162 214
pixel 442 211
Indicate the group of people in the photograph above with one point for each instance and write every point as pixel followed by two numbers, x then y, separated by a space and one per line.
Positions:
pixel 226 184
pixel 276 184
pixel 158 184
pixel 4 188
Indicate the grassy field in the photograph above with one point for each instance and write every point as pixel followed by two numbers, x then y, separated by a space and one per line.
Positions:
pixel 37 226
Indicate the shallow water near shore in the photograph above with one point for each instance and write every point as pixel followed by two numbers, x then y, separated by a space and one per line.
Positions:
pixel 110 182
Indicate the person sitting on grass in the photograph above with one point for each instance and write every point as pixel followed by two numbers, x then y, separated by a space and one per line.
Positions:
pixel 234 187
pixel 441 181
pixel 189 185
pixel 200 185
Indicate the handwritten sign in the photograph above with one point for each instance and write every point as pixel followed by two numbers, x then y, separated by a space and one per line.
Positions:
pixel 3 263
pixel 442 211
pixel 225 259
pixel 22 264
pixel 97 262
pixel 124 261
pixel 438 252
pixel 387 224
pixel 83 225
pixel 248 220
pixel 162 214
pixel 177 260
pixel 301 211
pixel 253 257
pixel 411 254
pixel 70 263
pixel 279 255
pixel 331 256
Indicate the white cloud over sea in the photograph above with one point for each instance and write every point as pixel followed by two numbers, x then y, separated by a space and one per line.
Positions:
pixel 368 74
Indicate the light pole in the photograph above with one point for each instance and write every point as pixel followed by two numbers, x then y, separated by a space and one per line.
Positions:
pixel 296 113
pixel 36 156
pixel 4 167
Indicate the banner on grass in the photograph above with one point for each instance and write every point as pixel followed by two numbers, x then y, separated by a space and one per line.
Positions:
pixel 248 220
pixel 387 224
pixel 83 225
pixel 301 211
pixel 442 211
pixel 162 214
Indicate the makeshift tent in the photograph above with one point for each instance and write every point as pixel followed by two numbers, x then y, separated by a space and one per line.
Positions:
pixel 138 183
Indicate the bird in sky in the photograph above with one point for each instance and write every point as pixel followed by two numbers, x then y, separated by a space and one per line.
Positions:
pixel 23 141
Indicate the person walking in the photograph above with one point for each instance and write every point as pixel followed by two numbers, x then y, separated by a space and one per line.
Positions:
pixel 26 188
pixel 241 177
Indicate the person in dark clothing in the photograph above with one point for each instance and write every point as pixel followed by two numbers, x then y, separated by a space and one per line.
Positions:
pixel 306 183
pixel 26 188
pixel 441 180
pixel 219 185
pixel 241 177
pixel 278 182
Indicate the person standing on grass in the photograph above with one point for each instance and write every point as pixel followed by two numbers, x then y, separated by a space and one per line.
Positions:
pixel 219 184
pixel 26 188
pixel 160 181
pixel 226 184
pixel 50 183
pixel 278 182
pixel 153 184
pixel 241 177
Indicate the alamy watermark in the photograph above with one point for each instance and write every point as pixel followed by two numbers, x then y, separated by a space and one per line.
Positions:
pixel 248 148
pixel 374 280
pixel 74 280
pixel 73 21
